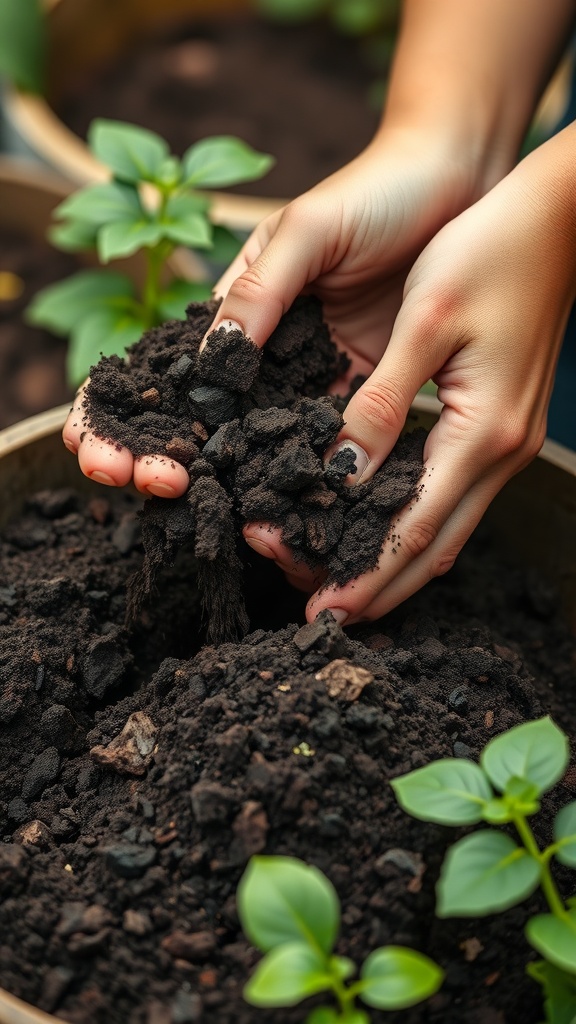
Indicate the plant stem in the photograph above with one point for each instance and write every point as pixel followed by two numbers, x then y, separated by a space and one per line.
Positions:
pixel 154 259
pixel 345 996
pixel 547 882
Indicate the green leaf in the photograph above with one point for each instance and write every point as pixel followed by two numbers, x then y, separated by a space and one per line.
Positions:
pixel 451 791
pixel 395 977
pixel 105 332
pixel 133 153
pixel 184 222
pixel 554 938
pixel 61 306
pixel 281 899
pixel 357 17
pixel 565 835
pixel 102 204
pixel 122 238
pixel 342 967
pixel 536 751
pixel 484 873
pixel 559 990
pixel 286 975
pixel 169 172
pixel 73 236
pixel 225 245
pixel 292 10
pixel 329 1015
pixel 497 812
pixel 223 160
pixel 23 43
pixel 179 294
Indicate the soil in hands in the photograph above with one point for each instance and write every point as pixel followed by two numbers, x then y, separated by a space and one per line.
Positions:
pixel 134 789
pixel 32 361
pixel 301 93
pixel 251 427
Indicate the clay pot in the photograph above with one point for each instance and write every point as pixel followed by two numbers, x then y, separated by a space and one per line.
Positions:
pixel 534 518
pixel 83 34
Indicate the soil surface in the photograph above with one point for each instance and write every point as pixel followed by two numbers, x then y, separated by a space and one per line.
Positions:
pixel 139 773
pixel 251 426
pixel 300 93
pixel 32 361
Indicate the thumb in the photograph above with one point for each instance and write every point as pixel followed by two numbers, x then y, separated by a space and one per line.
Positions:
pixel 376 414
pixel 266 289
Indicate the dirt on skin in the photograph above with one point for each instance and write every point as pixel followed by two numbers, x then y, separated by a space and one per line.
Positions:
pixel 251 427
pixel 301 93
pixel 130 804
pixel 32 361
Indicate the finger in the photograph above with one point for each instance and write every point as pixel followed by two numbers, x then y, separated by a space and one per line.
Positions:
pixel 266 288
pixel 377 412
pixel 160 476
pixel 456 458
pixel 267 541
pixel 76 422
pixel 103 462
pixel 439 557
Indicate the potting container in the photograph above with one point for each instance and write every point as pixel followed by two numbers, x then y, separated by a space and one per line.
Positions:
pixel 533 519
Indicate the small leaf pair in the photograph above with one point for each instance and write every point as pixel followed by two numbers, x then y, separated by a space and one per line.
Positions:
pixel 291 912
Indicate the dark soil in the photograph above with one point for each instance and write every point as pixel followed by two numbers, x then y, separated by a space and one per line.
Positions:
pixel 135 789
pixel 32 361
pixel 300 93
pixel 252 428
pixel 140 770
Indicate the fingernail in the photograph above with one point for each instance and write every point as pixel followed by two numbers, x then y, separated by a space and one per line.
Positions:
pixel 360 457
pixel 260 546
pixel 226 325
pixel 161 490
pixel 339 614
pixel 102 478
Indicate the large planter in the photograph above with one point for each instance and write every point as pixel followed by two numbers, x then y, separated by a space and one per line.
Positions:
pixel 534 517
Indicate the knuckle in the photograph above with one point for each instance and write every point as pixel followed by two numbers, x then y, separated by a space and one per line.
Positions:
pixel 419 537
pixel 248 287
pixel 442 564
pixel 380 405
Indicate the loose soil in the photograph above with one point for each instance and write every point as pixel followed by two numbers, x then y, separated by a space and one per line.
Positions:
pixel 260 422
pixel 135 789
pixel 300 93
pixel 32 361
pixel 140 767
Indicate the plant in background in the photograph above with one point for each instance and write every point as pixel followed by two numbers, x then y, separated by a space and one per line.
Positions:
pixel 23 43
pixel 487 871
pixel 291 912
pixel 150 204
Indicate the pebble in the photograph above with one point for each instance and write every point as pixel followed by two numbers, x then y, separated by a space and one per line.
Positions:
pixel 41 773
pixel 192 946
pixel 129 860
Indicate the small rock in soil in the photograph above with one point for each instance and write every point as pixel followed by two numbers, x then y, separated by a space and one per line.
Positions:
pixel 132 750
pixel 343 679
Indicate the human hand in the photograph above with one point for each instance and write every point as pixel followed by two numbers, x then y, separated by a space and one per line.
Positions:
pixel 350 240
pixel 484 312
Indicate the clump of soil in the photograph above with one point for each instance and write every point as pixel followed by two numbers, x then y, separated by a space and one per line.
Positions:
pixel 251 427
pixel 125 827
pixel 32 361
pixel 298 92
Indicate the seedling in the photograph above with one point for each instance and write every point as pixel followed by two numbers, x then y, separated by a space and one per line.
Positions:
pixel 291 912
pixel 488 871
pixel 150 204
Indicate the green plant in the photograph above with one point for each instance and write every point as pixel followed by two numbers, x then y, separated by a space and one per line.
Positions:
pixel 352 17
pixel 152 203
pixel 487 871
pixel 23 43
pixel 291 912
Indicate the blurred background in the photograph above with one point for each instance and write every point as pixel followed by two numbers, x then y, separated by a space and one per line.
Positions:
pixel 303 80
